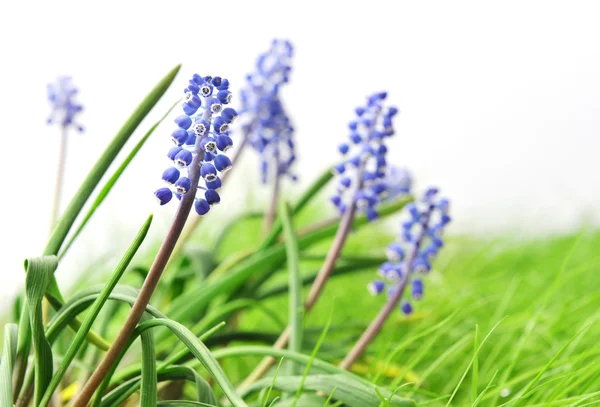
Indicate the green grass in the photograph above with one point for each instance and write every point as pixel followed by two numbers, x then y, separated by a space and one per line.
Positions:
pixel 542 296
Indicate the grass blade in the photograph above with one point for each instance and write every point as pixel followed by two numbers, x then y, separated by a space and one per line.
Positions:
pixel 475 374
pixel 9 354
pixel 268 394
pixel 201 353
pixel 149 384
pixel 95 310
pixel 39 273
pixel 296 308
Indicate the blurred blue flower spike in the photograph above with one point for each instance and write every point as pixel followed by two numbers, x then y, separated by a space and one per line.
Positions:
pixel 202 128
pixel 270 131
pixel 411 256
pixel 363 175
pixel 62 95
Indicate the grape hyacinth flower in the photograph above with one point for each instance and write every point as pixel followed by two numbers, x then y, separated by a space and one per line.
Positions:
pixel 203 128
pixel 409 260
pixel 269 129
pixel 362 173
pixel 61 95
pixel 398 181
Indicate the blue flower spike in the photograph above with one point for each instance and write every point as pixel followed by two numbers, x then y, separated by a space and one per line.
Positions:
pixel 409 259
pixel 62 97
pixel 270 131
pixel 365 178
pixel 202 128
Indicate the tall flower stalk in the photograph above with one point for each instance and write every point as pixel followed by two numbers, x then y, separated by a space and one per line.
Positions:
pixel 270 129
pixel 361 187
pixel 61 95
pixel 408 260
pixel 200 140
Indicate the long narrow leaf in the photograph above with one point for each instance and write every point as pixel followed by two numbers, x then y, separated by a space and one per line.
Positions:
pixel 39 273
pixel 201 352
pixel 295 288
pixel 95 310
pixel 352 393
pixel 149 384
pixel 9 354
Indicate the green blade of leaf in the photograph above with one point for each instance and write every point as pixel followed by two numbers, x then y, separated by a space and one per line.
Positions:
pixel 352 393
pixel 296 308
pixel 23 348
pixel 113 180
pixel 9 354
pixel 39 273
pixel 200 352
pixel 310 193
pixel 149 383
pixel 95 310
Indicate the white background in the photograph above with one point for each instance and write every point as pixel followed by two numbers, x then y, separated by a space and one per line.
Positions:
pixel 500 103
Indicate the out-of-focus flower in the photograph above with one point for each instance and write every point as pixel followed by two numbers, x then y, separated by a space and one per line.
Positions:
pixel 398 181
pixel 362 174
pixel 270 131
pixel 411 256
pixel 203 128
pixel 61 95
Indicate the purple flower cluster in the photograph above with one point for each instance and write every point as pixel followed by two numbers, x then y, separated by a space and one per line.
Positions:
pixel 362 176
pixel 203 128
pixel 61 95
pixel 269 128
pixel 419 243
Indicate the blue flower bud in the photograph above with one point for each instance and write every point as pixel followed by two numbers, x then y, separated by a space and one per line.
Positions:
pixel 343 148
pixel 197 79
pixel 208 144
pixel 192 100
pixel 414 212
pixel 355 161
pixel 392 111
pixel 189 110
pixel 336 200
pixel 222 163
pixel 202 206
pixel 208 157
pixel 208 172
pixel 406 308
pixel 212 197
pixel 220 125
pixel 353 125
pixel 183 121
pixel 395 252
pixel 216 81
pixel 191 139
pixel 360 111
pixel 224 96
pixel 421 265
pixel 379 189
pixel 376 287
pixel 356 138
pixel 417 289
pixel 183 185
pixel 214 185
pixel 444 205
pixel 372 214
pixel 224 142
pixel 183 158
pixel 224 85
pixel 229 115
pixel 340 168
pixel 164 195
pixel 171 175
pixel 345 183
pixel 173 152
pixel 192 87
pixel 179 136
